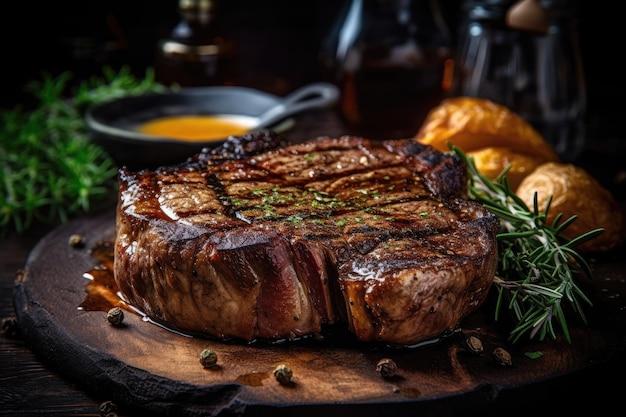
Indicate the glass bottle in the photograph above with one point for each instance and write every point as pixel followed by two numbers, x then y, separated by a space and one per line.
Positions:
pixel 537 75
pixel 196 53
pixel 392 60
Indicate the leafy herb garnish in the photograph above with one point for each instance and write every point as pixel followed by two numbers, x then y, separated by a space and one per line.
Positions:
pixel 537 266
pixel 50 168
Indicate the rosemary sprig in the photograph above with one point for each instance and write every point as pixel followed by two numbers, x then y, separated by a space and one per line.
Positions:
pixel 537 265
pixel 50 168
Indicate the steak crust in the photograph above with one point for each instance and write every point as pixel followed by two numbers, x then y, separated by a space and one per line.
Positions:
pixel 265 240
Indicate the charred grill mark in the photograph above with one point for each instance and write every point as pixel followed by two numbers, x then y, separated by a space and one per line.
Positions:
pixel 358 181
pixel 343 229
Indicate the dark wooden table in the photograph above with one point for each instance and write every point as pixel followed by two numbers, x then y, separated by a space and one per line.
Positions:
pixel 29 386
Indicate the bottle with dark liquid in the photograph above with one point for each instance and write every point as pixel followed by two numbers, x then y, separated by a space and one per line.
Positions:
pixel 392 61
pixel 196 53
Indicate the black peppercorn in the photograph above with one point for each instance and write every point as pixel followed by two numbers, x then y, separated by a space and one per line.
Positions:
pixel 502 357
pixel 474 344
pixel 208 358
pixel 76 241
pixel 283 374
pixel 108 409
pixel 115 316
pixel 386 368
pixel 10 327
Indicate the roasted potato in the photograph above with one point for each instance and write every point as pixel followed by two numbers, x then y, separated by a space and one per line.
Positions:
pixel 476 123
pixel 491 162
pixel 576 192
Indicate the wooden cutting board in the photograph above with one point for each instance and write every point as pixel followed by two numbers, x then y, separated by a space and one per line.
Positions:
pixel 146 367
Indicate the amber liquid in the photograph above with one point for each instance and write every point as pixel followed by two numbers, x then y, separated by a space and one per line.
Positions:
pixel 197 128
pixel 102 289
pixel 392 102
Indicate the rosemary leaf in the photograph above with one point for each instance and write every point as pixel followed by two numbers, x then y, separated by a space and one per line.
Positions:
pixel 537 265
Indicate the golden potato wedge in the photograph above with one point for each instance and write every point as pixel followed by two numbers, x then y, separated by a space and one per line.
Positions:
pixel 474 123
pixel 491 162
pixel 576 192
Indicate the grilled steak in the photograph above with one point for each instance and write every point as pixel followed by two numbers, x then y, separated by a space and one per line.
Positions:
pixel 262 240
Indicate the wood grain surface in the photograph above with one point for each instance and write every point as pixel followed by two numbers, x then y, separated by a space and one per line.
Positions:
pixel 148 368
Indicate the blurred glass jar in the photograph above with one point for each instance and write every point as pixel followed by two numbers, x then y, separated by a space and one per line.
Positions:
pixel 392 60
pixel 196 53
pixel 537 74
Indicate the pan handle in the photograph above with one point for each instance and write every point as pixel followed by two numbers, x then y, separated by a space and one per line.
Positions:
pixel 311 96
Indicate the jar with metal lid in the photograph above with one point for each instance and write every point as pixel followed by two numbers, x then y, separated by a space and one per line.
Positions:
pixel 535 70
pixel 197 53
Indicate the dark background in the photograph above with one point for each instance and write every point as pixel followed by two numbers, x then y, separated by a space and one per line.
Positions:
pixel 56 36
pixel 278 44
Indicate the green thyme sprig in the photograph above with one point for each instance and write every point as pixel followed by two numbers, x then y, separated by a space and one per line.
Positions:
pixel 537 265
pixel 50 168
